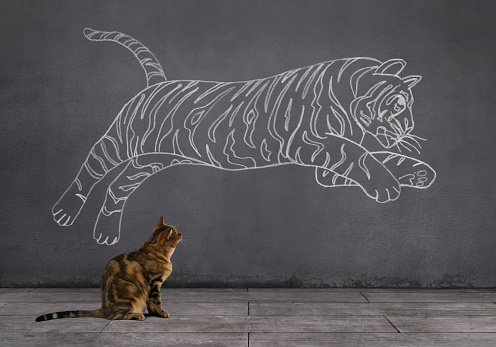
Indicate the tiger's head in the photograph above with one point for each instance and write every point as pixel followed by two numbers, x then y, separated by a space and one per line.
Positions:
pixel 384 110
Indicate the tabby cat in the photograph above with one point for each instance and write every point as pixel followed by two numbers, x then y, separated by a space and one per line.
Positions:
pixel 131 282
pixel 318 116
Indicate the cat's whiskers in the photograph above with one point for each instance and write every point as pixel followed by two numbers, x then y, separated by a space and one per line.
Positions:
pixel 184 244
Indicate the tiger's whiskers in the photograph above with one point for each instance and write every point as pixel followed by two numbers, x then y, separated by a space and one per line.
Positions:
pixel 409 146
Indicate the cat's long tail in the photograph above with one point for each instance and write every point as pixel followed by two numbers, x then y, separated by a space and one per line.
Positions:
pixel 153 70
pixel 71 314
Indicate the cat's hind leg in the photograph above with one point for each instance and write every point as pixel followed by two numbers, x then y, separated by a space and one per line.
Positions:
pixel 136 171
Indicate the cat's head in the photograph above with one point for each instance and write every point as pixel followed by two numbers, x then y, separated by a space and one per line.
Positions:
pixel 383 107
pixel 165 235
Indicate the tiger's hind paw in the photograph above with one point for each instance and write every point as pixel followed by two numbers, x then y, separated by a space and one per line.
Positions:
pixel 107 227
pixel 62 218
pixel 67 209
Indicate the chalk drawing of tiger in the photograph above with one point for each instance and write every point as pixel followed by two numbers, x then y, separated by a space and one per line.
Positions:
pixel 315 116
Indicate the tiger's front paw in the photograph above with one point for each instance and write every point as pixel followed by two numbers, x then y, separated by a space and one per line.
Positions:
pixel 384 191
pixel 391 193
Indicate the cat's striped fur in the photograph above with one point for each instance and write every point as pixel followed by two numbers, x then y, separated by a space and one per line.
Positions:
pixel 131 282
pixel 316 116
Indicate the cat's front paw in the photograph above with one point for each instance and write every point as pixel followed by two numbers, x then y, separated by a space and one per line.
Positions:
pixel 163 314
pixel 134 316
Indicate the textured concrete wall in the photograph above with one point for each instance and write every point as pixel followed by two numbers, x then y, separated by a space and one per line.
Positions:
pixel 59 93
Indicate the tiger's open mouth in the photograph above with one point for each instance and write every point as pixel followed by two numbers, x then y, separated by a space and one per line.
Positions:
pixel 386 137
pixel 398 137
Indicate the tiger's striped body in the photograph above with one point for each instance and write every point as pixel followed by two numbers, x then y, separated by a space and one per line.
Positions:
pixel 261 117
pixel 315 116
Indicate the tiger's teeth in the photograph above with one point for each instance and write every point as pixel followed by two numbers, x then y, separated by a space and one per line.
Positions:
pixel 381 115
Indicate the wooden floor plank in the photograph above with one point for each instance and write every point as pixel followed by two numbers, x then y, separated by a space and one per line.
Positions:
pixel 186 324
pixel 11 297
pixel 123 339
pixel 260 317
pixel 208 296
pixel 92 295
pixel 185 309
pixel 206 290
pixel 263 295
pixel 417 290
pixel 428 290
pixel 15 290
pixel 304 290
pixel 21 324
pixel 72 291
pixel 430 296
pixel 369 339
pixel 445 324
pixel 371 309
pixel 76 297
pixel 304 295
pixel 172 290
pixel 35 309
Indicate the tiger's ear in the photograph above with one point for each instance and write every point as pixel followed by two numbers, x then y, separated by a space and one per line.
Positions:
pixel 410 81
pixel 391 67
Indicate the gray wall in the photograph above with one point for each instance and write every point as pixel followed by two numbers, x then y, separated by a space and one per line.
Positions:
pixel 276 227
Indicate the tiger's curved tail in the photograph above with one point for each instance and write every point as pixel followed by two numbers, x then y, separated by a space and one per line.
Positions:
pixel 153 70
pixel 106 154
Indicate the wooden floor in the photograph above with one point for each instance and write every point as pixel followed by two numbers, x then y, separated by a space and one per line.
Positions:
pixel 259 317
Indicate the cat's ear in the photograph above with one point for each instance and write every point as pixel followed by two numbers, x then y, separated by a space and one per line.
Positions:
pixel 391 67
pixel 164 236
pixel 160 222
pixel 410 81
